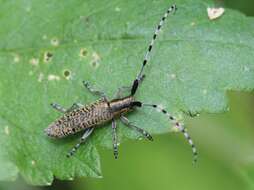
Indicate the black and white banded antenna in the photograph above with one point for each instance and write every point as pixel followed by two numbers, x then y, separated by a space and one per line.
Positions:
pixel 139 77
pixel 179 126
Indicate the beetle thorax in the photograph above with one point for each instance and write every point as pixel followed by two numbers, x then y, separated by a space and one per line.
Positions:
pixel 123 105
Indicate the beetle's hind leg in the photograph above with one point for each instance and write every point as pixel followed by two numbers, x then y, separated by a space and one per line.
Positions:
pixel 58 107
pixel 74 106
pixel 87 133
pixel 63 110
pixel 114 138
pixel 130 125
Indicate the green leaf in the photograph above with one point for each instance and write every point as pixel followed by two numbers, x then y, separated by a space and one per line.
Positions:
pixel 194 62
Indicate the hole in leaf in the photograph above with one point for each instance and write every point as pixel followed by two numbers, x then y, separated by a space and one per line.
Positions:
pixel 83 52
pixel 95 60
pixel 54 42
pixel 48 56
pixel 94 63
pixel 67 74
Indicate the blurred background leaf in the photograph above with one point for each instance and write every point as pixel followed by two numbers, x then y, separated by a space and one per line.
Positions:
pixel 226 156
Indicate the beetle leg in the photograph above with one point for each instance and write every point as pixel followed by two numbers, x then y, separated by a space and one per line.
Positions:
pixel 141 131
pixel 82 140
pixel 58 107
pixel 114 138
pixel 94 91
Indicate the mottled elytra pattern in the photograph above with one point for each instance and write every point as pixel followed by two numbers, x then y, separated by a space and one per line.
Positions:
pixel 82 117
pixel 79 117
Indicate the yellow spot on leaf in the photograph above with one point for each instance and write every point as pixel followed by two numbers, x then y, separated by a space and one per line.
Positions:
pixel 16 58
pixel 30 73
pixel 34 61
pixel 95 60
pixel 44 37
pixel 117 9
pixel 28 9
pixel 246 69
pixel 33 162
pixel 53 77
pixel 6 130
pixel 54 42
pixel 40 77
pixel 173 76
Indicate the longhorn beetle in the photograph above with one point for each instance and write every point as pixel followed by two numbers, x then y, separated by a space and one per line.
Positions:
pixel 79 117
